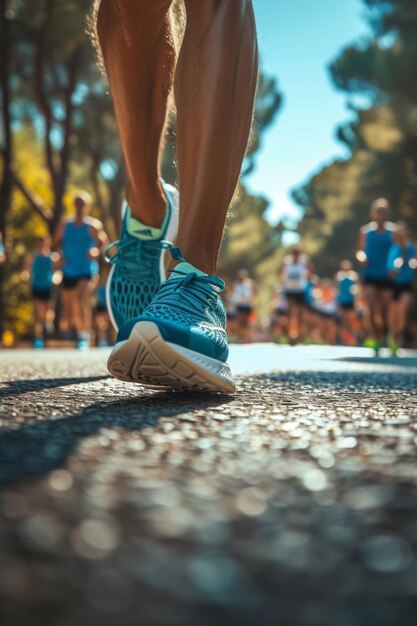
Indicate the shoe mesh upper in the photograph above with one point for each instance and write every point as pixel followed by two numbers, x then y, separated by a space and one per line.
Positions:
pixel 188 311
pixel 136 273
pixel 135 278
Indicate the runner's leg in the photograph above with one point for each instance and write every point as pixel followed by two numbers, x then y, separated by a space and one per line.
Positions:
pixel 139 55
pixel 40 311
pixel 85 290
pixel 404 305
pixel 372 312
pixel 216 74
pixel 301 321
pixel 215 85
pixel 74 308
pixel 65 324
pixel 385 297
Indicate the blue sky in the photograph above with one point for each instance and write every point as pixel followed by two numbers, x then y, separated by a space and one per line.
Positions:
pixel 297 40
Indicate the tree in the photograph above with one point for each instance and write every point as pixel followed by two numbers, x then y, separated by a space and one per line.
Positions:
pixel 6 149
pixel 54 64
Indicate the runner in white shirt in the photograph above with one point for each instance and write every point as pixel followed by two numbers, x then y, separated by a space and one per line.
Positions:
pixel 295 272
pixel 243 298
pixel 231 313
pixel 326 306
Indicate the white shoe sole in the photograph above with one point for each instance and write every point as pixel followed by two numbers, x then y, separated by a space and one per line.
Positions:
pixel 148 359
pixel 170 235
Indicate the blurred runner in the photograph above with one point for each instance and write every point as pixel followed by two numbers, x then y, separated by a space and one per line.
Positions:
pixel 231 313
pixel 101 318
pixel 347 289
pixel 374 243
pixel 402 265
pixel 80 239
pixel 40 269
pixel 279 317
pixel 2 251
pixel 243 298
pixel 326 305
pixel 295 273
pixel 311 317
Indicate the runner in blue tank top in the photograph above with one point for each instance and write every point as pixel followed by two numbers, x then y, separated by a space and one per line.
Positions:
pixel 401 267
pixel 80 240
pixel 372 251
pixel 40 269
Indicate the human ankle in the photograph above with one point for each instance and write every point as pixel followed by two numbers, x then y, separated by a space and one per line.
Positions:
pixel 148 210
pixel 200 261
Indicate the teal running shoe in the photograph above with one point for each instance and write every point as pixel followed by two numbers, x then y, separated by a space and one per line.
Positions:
pixel 180 340
pixel 38 343
pixel 138 265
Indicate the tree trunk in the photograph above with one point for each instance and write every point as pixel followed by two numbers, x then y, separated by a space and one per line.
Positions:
pixel 6 184
pixel 64 157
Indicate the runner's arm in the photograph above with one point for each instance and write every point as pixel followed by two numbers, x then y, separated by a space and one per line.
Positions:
pixel 413 260
pixel 311 268
pixel 99 235
pixel 26 272
pixel 360 248
pixel 56 261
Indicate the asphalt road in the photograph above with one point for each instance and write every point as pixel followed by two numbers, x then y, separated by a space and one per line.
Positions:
pixel 292 503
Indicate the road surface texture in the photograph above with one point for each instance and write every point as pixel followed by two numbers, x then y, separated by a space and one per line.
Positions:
pixel 293 503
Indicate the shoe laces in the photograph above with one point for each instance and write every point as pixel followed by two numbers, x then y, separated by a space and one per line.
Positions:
pixel 135 256
pixel 190 292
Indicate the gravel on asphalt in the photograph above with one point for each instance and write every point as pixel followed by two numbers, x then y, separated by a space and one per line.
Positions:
pixel 291 503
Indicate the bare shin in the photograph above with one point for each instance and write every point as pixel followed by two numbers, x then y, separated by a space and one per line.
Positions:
pixel 139 56
pixel 215 87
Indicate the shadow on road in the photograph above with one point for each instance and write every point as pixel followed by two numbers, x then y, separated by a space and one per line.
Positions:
pixel 398 362
pixel 17 387
pixel 346 381
pixel 37 448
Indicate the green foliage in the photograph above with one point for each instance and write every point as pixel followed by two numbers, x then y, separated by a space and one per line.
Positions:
pixel 250 242
pixel 268 103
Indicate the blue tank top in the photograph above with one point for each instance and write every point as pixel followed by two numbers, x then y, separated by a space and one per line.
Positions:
pixel 76 243
pixel 377 246
pixel 42 271
pixel 404 273
pixel 309 293
pixel 345 294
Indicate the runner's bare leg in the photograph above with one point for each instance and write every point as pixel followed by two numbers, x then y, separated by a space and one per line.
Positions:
pixel 139 55
pixel 215 85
